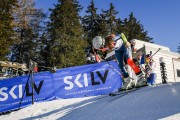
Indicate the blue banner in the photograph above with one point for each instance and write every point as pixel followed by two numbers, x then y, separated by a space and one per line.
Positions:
pixel 73 82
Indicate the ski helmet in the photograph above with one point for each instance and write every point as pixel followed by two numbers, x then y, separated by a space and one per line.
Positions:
pixel 133 42
pixel 98 42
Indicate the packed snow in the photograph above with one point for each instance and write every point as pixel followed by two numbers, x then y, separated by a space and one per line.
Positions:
pixel 148 103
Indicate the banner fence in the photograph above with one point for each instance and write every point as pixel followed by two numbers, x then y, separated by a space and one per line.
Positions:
pixel 73 82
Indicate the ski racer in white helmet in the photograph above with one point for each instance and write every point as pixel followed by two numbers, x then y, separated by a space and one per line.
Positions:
pixel 95 55
pixel 98 42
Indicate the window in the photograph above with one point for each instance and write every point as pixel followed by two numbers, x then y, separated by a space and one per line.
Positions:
pixel 178 73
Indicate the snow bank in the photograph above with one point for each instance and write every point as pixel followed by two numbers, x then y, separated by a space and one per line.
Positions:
pixel 149 103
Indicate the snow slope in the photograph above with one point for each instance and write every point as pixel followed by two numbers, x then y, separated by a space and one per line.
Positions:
pixel 149 103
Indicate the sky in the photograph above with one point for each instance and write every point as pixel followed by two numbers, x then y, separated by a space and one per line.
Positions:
pixel 159 102
pixel 161 18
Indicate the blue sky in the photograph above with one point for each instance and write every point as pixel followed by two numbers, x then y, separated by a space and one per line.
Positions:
pixel 161 18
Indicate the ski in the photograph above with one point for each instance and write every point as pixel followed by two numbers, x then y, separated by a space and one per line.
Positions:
pixel 123 92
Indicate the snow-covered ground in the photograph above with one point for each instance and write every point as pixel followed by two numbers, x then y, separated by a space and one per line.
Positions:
pixel 149 103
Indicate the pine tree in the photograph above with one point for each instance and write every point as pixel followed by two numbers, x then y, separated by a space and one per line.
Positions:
pixel 6 27
pixel 119 26
pixel 91 23
pixel 133 29
pixel 111 20
pixel 103 26
pixel 43 59
pixel 178 49
pixel 66 44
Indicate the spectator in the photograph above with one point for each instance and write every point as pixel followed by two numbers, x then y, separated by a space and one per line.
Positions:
pixel 150 69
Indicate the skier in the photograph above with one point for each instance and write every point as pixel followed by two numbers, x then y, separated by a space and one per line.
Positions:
pixel 129 70
pixel 150 69
pixel 122 49
pixel 95 55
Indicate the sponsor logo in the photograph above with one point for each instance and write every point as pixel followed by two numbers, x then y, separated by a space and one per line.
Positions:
pixel 81 80
pixel 16 91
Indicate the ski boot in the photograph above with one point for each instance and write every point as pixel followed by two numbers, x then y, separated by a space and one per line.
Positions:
pixel 141 80
pixel 127 84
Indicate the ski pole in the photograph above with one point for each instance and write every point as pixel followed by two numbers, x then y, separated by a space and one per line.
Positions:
pixel 117 71
pixel 24 90
pixel 155 53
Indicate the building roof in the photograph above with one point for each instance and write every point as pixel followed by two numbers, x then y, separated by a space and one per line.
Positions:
pixel 140 44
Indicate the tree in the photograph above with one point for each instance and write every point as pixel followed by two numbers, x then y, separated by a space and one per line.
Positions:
pixel 110 16
pixel 90 23
pixel 103 26
pixel 66 33
pixel 27 27
pixel 133 29
pixel 178 49
pixel 39 27
pixel 6 27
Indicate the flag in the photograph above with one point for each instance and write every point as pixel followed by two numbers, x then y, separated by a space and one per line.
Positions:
pixel 142 59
